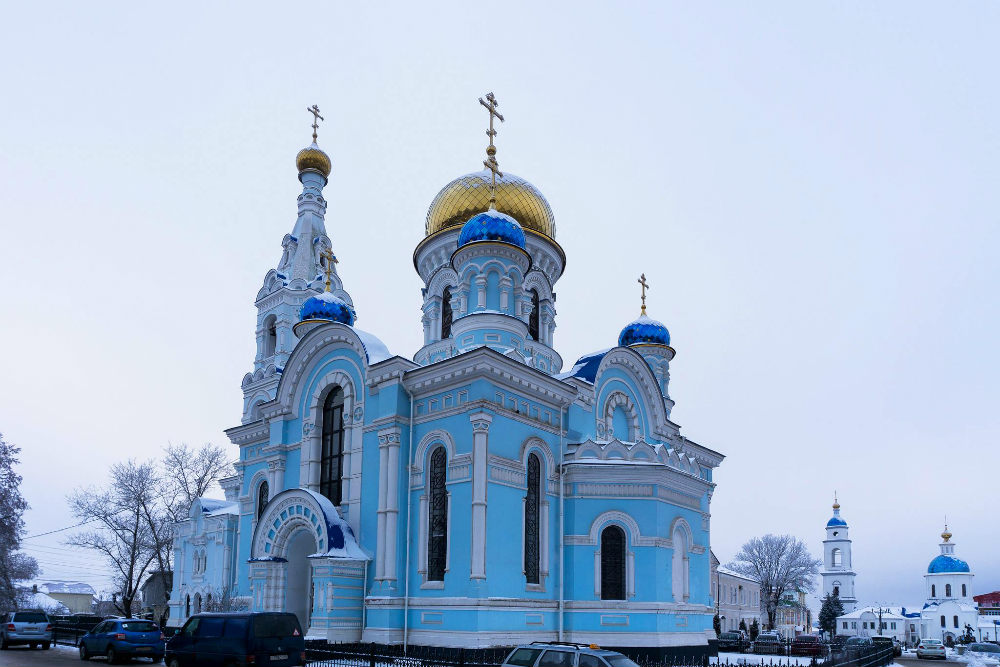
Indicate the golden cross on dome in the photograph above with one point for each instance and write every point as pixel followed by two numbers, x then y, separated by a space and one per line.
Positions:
pixel 645 286
pixel 490 162
pixel 314 110
pixel 331 259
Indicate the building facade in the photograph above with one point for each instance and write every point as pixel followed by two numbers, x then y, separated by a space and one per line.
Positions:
pixel 865 622
pixel 475 495
pixel 838 564
pixel 737 598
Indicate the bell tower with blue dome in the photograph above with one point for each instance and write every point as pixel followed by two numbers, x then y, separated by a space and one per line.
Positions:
pixel 838 571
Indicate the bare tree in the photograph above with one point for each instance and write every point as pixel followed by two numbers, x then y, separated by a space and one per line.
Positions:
pixel 780 563
pixel 124 536
pixel 225 600
pixel 189 473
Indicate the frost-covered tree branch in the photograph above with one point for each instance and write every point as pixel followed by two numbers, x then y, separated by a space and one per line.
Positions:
pixel 780 563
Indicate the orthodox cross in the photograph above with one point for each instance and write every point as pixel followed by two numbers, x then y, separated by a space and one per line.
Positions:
pixel 331 259
pixel 490 162
pixel 645 286
pixel 314 110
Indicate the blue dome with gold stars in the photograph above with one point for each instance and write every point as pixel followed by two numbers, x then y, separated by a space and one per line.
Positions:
pixel 492 225
pixel 326 306
pixel 644 330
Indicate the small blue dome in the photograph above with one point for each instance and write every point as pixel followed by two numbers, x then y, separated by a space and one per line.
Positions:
pixel 326 306
pixel 492 225
pixel 835 521
pixel 944 564
pixel 644 330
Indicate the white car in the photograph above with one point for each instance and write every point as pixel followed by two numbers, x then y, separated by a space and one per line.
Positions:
pixel 931 648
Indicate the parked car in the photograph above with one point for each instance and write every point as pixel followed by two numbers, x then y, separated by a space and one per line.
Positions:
pixel 26 627
pixel 857 642
pixel 769 643
pixel 986 653
pixel 238 639
pixel 888 642
pixel 838 641
pixel 561 654
pixel 931 648
pixel 807 645
pixel 122 639
pixel 733 641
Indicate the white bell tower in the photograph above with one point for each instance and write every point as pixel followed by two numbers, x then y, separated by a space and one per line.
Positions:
pixel 838 573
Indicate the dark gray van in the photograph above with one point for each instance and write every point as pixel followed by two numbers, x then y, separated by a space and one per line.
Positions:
pixel 238 639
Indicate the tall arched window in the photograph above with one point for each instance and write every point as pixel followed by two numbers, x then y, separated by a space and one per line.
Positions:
pixel 836 588
pixel 532 511
pixel 437 533
pixel 535 319
pixel 836 559
pixel 933 591
pixel 262 494
pixel 679 565
pixel 446 314
pixel 197 603
pixel 963 590
pixel 187 606
pixel 613 563
pixel 331 464
pixel 956 621
pixel 270 335
pixel 947 590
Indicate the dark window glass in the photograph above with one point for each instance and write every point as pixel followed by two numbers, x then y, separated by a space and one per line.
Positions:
pixel 31 617
pixel 263 491
pixel 446 315
pixel 535 318
pixel 192 627
pixel 211 627
pixel 613 563
pixel 139 626
pixel 531 520
pixel 187 606
pixel 620 661
pixel 587 660
pixel 524 657
pixel 332 456
pixel 270 337
pixel 933 591
pixel 947 590
pixel 437 534
pixel 236 627
pixel 963 590
pixel 944 624
pixel 556 659
pixel 956 621
pixel 278 625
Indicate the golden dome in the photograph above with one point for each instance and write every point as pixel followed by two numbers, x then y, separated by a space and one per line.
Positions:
pixel 312 157
pixel 470 194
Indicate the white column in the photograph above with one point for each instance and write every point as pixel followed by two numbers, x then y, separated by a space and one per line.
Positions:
pixel 383 491
pixel 480 432
pixel 481 291
pixel 505 293
pixel 279 477
pixel 392 506
pixel 355 440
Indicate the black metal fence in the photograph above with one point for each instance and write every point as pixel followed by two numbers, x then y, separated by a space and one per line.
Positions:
pixel 69 629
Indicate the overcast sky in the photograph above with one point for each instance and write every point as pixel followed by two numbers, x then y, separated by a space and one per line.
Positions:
pixel 810 188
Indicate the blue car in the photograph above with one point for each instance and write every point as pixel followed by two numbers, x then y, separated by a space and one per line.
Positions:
pixel 123 639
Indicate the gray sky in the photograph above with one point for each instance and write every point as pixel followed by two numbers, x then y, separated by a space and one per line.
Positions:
pixel 809 187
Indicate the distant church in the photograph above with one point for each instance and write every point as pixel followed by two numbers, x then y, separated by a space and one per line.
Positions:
pixel 838 569
pixel 476 495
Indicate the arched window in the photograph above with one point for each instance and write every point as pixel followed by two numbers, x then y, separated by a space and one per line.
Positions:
pixel 270 335
pixel 187 606
pixel 208 602
pixel 836 588
pixel 534 319
pixel 197 603
pixel 955 620
pixel 963 590
pixel 437 533
pixel 933 591
pixel 331 464
pixel 446 314
pixel 679 567
pixel 613 563
pixel 262 494
pixel 532 509
pixel 836 558
pixel 947 590
pixel 944 624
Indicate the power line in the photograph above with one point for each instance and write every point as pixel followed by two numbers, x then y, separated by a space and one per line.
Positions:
pixel 58 530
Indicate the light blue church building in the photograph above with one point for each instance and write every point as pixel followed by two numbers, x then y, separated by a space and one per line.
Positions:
pixel 475 495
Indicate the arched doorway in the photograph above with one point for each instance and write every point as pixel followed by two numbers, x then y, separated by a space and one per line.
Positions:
pixel 298 592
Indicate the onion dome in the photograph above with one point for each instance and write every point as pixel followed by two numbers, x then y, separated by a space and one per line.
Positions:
pixel 835 521
pixel 312 158
pixel 945 564
pixel 492 225
pixel 644 330
pixel 328 308
pixel 468 195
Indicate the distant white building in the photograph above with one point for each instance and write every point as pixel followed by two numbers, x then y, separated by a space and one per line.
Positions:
pixel 737 598
pixel 76 596
pixel 949 607
pixel 865 621
pixel 838 570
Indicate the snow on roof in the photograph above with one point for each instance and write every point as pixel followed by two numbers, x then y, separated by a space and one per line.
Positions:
pixel 341 538
pixel 887 612
pixel 45 603
pixel 585 367
pixel 375 349
pixel 216 507
pixel 722 569
pixel 76 587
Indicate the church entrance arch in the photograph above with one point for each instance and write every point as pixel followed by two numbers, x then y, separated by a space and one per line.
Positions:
pixel 298 588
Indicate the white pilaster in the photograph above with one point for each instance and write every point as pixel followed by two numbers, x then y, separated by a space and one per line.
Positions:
pixel 480 451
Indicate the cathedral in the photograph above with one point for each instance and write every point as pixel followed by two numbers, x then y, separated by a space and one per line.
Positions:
pixel 474 494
